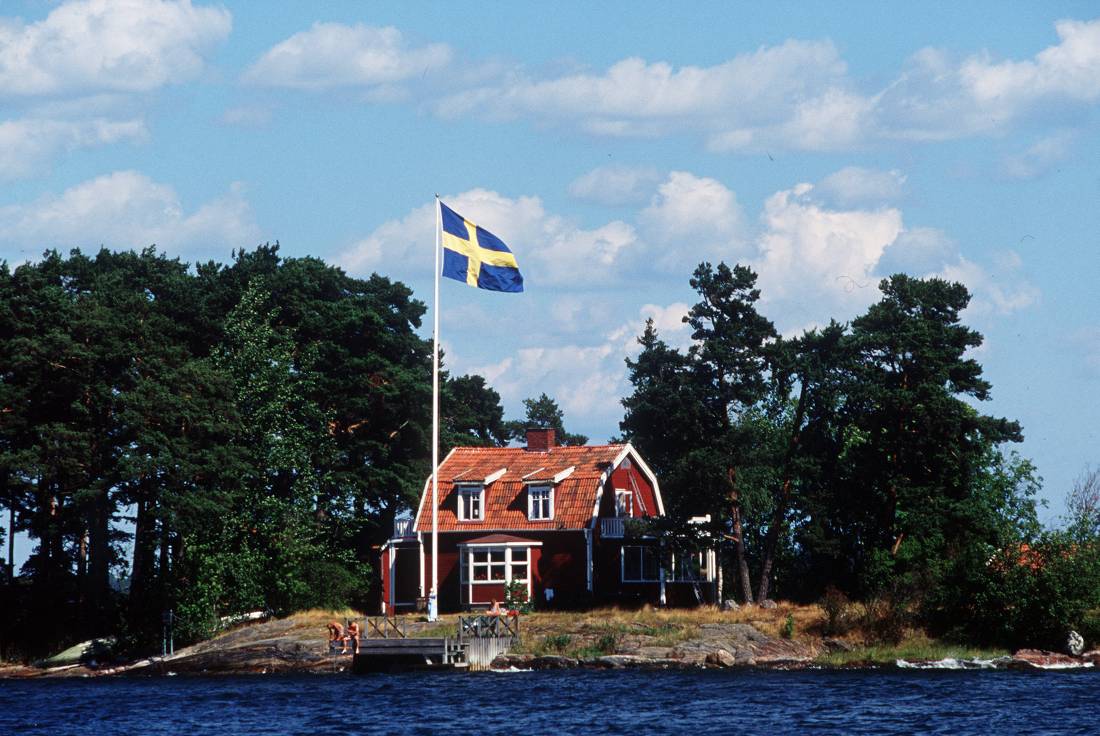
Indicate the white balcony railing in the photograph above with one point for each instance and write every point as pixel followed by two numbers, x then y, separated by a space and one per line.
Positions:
pixel 403 528
pixel 612 527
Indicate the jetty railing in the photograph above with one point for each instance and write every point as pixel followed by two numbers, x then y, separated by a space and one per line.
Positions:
pixel 488 627
pixel 384 627
pixel 484 638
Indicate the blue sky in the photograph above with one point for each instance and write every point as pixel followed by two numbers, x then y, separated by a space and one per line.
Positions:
pixel 613 146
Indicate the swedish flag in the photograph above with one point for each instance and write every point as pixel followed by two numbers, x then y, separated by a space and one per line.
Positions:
pixel 475 256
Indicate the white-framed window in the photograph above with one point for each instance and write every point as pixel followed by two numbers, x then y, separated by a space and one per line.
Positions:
pixel 640 565
pixel 685 567
pixel 624 503
pixel 471 503
pixel 540 503
pixel 495 565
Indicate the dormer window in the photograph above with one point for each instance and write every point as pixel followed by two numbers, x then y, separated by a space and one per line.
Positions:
pixel 471 503
pixel 540 503
pixel 624 503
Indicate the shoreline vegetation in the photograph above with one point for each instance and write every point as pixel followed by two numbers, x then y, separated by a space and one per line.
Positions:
pixel 788 636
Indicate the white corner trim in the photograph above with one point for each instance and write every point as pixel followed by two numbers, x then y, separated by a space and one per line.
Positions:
pixel 428 488
pixel 532 473
pixel 599 495
pixel 564 474
pixel 494 476
pixel 629 450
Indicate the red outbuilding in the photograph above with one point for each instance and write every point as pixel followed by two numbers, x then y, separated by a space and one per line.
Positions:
pixel 556 518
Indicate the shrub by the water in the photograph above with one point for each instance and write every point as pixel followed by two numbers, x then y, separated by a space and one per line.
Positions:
pixel 1089 628
pixel 838 614
pixel 787 631
pixel 557 642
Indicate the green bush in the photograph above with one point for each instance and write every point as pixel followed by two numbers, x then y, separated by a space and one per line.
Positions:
pixel 1032 595
pixel 886 618
pixel 515 596
pixel 787 630
pixel 607 644
pixel 1089 628
pixel 557 642
pixel 838 614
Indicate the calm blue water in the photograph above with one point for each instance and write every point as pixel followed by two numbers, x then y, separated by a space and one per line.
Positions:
pixel 531 703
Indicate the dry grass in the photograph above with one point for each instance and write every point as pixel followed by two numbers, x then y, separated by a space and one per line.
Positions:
pixel 305 624
pixel 607 630
pixel 603 630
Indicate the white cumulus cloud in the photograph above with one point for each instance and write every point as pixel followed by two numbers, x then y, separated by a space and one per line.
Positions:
pixel 854 185
pixel 1038 158
pixel 821 261
pixel 27 144
pixel 692 219
pixel 332 55
pixel 125 210
pixel 615 185
pixel 86 46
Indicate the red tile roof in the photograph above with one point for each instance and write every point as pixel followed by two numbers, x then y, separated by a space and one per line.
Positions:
pixel 506 499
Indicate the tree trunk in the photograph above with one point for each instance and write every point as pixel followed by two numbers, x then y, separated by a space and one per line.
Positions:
pixel 143 552
pixel 782 501
pixel 11 529
pixel 99 557
pixel 738 536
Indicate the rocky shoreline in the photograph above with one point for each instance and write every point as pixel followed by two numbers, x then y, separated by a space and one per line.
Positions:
pixel 278 647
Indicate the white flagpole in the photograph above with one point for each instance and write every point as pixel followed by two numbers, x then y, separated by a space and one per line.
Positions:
pixel 433 597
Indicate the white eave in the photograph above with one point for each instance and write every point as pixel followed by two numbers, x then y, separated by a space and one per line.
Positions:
pixel 558 478
pixel 627 451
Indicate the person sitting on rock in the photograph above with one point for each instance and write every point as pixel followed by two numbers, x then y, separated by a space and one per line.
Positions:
pixel 353 637
pixel 336 636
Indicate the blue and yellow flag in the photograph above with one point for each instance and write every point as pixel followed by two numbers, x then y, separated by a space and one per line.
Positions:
pixel 475 256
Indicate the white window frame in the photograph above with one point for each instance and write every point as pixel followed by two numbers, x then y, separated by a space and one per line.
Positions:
pixel 677 563
pixel 641 550
pixel 467 565
pixel 540 504
pixel 624 503
pixel 465 497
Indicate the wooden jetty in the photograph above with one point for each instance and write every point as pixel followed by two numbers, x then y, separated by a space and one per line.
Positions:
pixel 478 641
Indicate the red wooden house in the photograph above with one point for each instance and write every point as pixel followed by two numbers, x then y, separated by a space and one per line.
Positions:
pixel 552 517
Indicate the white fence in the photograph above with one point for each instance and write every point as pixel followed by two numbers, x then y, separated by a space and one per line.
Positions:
pixel 612 527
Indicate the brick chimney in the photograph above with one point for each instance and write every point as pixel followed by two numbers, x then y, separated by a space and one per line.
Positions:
pixel 540 439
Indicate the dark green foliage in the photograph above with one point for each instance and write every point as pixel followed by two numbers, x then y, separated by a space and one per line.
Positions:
pixel 258 425
pixel 516 598
pixel 702 419
pixel 543 412
pixel 852 458
pixel 471 415
pixel 1089 628
pixel 1035 594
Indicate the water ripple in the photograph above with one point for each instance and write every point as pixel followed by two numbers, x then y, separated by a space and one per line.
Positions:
pixel 681 703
